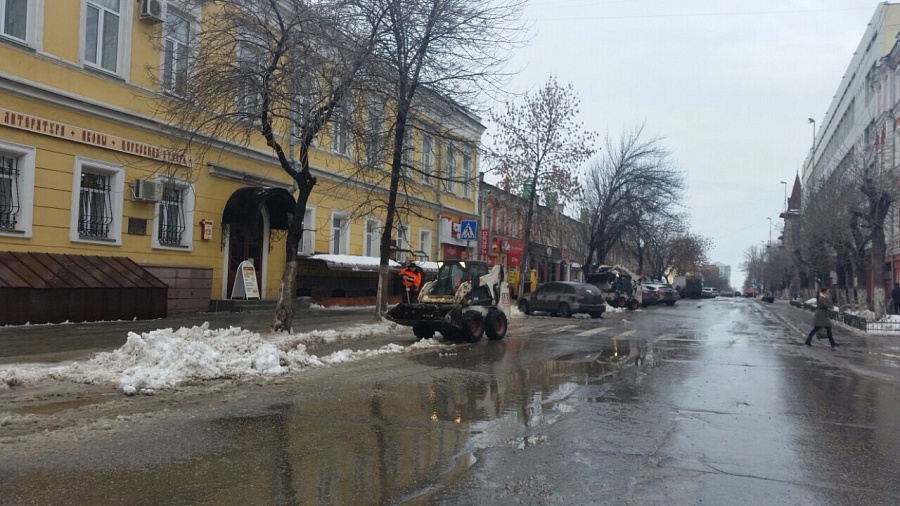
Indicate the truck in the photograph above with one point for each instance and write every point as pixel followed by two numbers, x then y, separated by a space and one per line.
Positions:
pixel 462 303
pixel 620 286
pixel 689 287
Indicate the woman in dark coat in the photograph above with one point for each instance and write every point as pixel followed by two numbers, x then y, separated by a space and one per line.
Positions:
pixel 821 321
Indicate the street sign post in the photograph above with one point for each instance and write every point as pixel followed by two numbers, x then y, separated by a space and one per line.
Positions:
pixel 468 230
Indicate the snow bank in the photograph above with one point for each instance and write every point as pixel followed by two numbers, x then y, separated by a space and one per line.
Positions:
pixel 165 358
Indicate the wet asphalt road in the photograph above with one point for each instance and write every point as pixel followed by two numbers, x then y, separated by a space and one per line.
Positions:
pixel 710 402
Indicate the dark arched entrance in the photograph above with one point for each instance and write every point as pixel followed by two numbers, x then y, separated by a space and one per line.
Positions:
pixel 249 215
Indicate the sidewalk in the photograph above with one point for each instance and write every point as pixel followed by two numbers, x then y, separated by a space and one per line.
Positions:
pixel 72 341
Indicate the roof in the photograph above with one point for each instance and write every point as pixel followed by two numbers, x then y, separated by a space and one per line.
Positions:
pixel 364 263
pixel 57 271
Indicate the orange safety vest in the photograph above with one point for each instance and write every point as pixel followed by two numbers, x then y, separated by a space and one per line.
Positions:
pixel 410 278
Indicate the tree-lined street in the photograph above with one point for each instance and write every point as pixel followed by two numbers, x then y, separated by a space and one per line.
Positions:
pixel 709 401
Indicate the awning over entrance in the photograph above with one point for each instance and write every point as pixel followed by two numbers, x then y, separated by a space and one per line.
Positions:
pixel 244 204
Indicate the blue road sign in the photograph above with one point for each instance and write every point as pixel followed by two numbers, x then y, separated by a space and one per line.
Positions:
pixel 468 229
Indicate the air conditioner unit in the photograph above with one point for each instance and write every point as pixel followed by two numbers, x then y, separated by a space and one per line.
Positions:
pixel 147 191
pixel 153 11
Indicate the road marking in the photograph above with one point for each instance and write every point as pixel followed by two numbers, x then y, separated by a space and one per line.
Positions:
pixel 567 327
pixel 624 334
pixel 592 332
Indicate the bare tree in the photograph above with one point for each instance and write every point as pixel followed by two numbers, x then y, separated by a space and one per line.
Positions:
pixel 634 180
pixel 276 70
pixel 540 143
pixel 433 57
pixel 670 247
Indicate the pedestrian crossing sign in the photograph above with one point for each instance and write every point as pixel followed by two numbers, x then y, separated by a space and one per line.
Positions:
pixel 468 229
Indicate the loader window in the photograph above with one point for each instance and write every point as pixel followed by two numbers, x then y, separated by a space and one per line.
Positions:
pixel 449 278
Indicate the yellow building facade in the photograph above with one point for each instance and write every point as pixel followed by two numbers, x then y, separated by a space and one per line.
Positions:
pixel 87 168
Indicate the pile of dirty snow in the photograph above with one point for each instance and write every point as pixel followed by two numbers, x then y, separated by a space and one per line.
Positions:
pixel 165 358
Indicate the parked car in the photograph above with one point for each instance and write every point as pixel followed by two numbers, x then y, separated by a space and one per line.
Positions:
pixel 665 293
pixel 709 292
pixel 649 297
pixel 564 298
pixel 737 293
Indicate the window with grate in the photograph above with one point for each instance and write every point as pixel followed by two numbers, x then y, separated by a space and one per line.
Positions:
pixel 9 192
pixel 171 216
pixel 95 213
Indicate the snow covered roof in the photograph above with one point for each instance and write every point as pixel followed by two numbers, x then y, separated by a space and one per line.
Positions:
pixel 363 263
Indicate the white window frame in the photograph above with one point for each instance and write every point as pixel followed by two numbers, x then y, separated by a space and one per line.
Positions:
pixel 466 173
pixel 406 153
pixel 243 105
pixel 307 244
pixel 24 156
pixel 375 132
pixel 340 128
pixel 344 231
pixel 168 83
pixel 117 187
pixel 187 203
pixel 402 243
pixel 425 241
pixel 450 169
pixel 427 158
pixel 372 238
pixel 34 23
pixel 123 41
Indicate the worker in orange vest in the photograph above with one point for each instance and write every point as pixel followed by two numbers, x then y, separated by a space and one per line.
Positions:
pixel 411 277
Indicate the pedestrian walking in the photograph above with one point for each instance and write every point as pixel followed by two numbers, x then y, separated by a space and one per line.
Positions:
pixel 895 298
pixel 820 320
pixel 411 277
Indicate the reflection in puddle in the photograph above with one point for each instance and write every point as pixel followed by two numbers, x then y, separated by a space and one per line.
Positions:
pixel 344 443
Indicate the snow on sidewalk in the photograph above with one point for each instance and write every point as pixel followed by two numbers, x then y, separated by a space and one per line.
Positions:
pixel 166 358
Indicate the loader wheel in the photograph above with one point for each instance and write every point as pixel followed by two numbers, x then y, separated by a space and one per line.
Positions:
pixel 495 325
pixel 423 332
pixel 633 304
pixel 472 326
pixel 619 302
pixel 564 310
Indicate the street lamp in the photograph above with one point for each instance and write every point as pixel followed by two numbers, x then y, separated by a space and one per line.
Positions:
pixel 812 153
pixel 785 195
pixel 770 231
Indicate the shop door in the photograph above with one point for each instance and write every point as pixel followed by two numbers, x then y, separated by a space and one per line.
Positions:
pixel 245 243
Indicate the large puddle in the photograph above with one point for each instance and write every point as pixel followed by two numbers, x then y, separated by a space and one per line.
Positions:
pixel 383 443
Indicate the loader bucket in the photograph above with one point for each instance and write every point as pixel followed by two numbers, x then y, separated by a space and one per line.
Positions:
pixel 416 314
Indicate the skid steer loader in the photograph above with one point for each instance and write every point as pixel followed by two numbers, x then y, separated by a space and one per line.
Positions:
pixel 462 303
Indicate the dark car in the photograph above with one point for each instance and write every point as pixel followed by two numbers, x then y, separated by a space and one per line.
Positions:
pixel 564 298
pixel 665 293
pixel 649 296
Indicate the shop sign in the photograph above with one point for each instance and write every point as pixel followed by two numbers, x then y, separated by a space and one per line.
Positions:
pixel 59 130
pixel 484 243
pixel 512 248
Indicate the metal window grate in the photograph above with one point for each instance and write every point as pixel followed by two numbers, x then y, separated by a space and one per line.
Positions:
pixel 171 216
pixel 9 192
pixel 95 214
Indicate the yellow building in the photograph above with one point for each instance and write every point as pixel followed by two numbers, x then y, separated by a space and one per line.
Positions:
pixel 87 168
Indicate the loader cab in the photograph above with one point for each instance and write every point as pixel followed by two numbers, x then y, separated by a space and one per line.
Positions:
pixel 452 273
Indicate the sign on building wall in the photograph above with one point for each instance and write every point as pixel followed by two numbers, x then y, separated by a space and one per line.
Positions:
pixel 80 135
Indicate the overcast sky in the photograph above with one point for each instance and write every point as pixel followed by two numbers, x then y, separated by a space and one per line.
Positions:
pixel 729 84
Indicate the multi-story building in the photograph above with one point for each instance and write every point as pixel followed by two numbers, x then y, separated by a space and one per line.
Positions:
pixel 860 126
pixel 88 169
pixel 559 242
